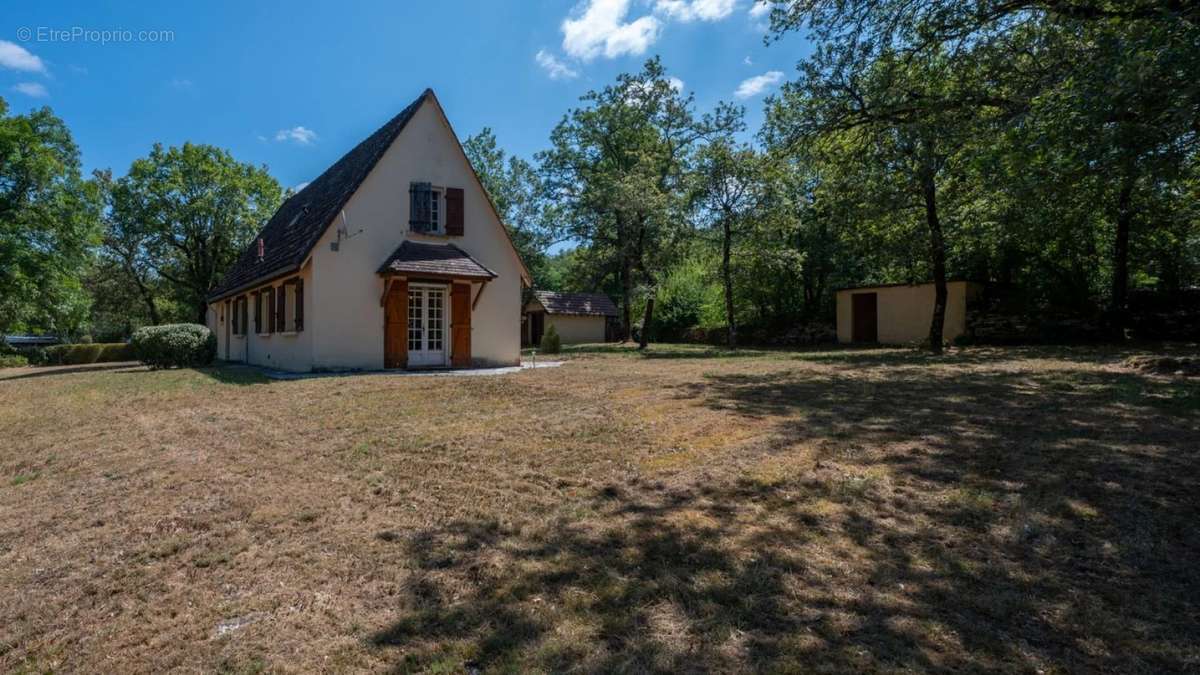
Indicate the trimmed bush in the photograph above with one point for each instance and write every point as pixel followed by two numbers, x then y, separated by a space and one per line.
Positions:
pixel 175 345
pixel 551 343
pixel 73 355
pixel 13 361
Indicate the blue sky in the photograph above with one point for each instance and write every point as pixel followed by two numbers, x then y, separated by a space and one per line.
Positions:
pixel 294 87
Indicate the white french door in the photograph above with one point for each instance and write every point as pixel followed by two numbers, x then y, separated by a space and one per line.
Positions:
pixel 426 326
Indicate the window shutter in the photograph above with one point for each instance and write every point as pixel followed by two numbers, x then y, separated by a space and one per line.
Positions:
pixel 243 319
pixel 258 312
pixel 281 308
pixel 454 212
pixel 299 305
pixel 271 326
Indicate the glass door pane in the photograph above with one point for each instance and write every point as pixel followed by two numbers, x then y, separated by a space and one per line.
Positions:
pixel 415 319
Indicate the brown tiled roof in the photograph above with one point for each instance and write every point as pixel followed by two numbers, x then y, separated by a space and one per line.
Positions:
pixel 441 259
pixel 301 220
pixel 594 304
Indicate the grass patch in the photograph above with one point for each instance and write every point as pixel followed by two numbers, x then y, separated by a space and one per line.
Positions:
pixel 843 510
pixel 23 478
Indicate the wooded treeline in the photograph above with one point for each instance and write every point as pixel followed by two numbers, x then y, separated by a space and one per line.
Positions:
pixel 98 257
pixel 1046 145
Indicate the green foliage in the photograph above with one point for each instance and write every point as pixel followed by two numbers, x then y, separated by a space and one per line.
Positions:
pixel 13 361
pixel 1060 139
pixel 551 342
pixel 516 190
pixel 77 354
pixel 180 218
pixel 174 345
pixel 49 219
pixel 688 298
pixel 617 168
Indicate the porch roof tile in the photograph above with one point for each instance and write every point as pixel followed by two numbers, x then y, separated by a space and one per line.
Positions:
pixel 447 260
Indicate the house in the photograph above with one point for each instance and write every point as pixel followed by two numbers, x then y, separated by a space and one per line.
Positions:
pixel 576 317
pixel 900 313
pixel 394 257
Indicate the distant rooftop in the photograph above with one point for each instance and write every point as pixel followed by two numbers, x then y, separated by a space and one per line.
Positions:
pixel 589 304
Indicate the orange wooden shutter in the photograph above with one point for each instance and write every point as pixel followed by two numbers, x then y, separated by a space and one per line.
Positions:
pixel 460 325
pixel 454 212
pixel 395 327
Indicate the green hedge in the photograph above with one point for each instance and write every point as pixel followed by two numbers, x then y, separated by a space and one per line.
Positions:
pixel 174 345
pixel 13 361
pixel 73 355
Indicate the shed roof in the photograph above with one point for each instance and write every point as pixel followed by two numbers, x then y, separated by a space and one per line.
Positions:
pixel 588 304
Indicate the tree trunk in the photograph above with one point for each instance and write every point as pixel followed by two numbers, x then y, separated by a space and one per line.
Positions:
pixel 627 299
pixel 1120 279
pixel 937 258
pixel 727 276
pixel 644 338
pixel 146 295
pixel 202 313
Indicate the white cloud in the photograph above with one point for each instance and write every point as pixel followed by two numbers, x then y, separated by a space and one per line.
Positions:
pixel 748 61
pixel 758 84
pixel 33 89
pixel 556 69
pixel 300 186
pixel 601 29
pixel 181 83
pixel 692 10
pixel 15 57
pixel 299 135
pixel 760 9
pixel 676 84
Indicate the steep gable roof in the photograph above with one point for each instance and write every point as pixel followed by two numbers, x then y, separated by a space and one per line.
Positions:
pixel 290 235
pixel 590 304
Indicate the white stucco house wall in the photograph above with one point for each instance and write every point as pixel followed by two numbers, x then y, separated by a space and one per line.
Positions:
pixel 577 317
pixel 394 257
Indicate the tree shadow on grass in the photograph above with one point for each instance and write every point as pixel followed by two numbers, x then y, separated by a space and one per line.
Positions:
pixel 234 374
pixel 973 521
pixel 51 371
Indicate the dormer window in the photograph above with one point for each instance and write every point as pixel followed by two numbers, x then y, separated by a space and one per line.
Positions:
pixel 426 208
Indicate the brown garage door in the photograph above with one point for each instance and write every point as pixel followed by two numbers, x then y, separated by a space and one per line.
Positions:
pixel 865 317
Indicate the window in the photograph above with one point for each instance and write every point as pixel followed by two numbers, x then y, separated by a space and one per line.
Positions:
pixel 240 317
pixel 289 306
pixel 425 213
pixel 264 301
pixel 434 337
pixel 415 315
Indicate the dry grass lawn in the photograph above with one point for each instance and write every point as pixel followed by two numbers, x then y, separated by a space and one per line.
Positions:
pixel 1013 510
